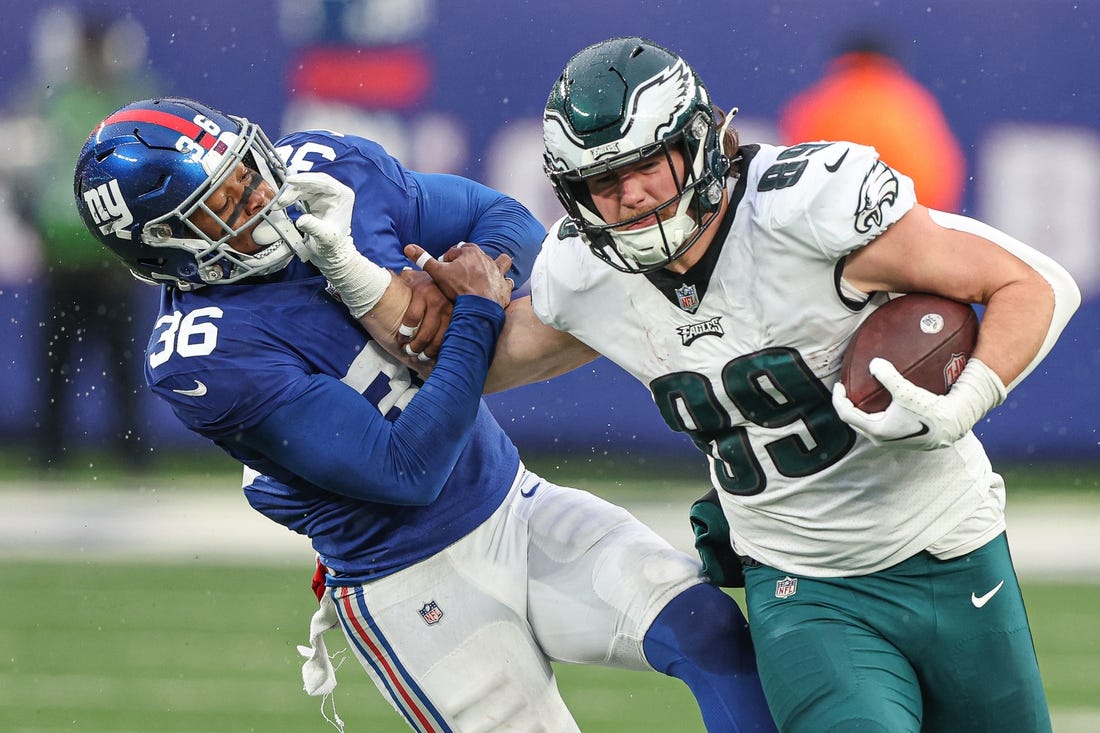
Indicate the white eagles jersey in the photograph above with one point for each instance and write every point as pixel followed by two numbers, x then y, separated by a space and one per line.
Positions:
pixel 741 353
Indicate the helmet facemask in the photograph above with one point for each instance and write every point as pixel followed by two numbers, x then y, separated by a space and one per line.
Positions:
pixel 216 259
pixel 679 220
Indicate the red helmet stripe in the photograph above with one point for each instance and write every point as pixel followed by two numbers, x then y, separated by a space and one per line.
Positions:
pixel 164 119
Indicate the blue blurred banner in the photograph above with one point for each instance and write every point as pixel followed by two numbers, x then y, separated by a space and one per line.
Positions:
pixel 459 87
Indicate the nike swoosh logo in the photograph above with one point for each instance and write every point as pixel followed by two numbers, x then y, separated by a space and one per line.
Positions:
pixel 529 494
pixel 833 168
pixel 915 434
pixel 980 601
pixel 198 391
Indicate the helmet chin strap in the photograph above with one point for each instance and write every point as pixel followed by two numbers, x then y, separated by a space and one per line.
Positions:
pixel 655 243
pixel 269 259
pixel 278 226
pixel 278 240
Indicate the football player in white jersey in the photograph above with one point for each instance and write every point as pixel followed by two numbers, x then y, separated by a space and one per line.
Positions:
pixel 729 279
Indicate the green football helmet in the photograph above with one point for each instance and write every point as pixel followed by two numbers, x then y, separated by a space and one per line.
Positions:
pixel 619 102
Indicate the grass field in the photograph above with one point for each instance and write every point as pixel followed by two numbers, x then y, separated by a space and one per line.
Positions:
pixel 95 646
pixel 178 649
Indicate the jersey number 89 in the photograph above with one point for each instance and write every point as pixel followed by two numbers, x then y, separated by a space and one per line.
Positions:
pixel 772 388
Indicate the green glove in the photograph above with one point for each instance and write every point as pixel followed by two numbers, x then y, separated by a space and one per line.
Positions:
pixel 712 541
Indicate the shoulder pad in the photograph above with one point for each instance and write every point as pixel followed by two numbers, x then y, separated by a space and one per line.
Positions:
pixel 851 195
pixel 567 229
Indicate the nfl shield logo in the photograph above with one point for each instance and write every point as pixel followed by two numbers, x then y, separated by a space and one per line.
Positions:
pixel 953 369
pixel 783 588
pixel 431 613
pixel 688 297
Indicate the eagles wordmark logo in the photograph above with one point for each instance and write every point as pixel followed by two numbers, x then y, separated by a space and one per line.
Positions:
pixel 602 151
pixel 694 331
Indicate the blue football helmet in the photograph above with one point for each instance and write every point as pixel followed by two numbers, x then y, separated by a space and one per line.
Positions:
pixel 148 168
pixel 617 103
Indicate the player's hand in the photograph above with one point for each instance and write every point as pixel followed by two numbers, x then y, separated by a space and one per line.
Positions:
pixel 360 282
pixel 917 419
pixel 466 270
pixel 426 318
pixel 328 221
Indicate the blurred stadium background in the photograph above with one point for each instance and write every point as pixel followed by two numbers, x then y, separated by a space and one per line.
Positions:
pixel 152 599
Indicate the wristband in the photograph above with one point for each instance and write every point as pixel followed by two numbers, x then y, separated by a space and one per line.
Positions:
pixel 360 282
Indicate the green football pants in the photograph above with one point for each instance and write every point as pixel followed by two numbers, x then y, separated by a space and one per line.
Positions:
pixel 938 646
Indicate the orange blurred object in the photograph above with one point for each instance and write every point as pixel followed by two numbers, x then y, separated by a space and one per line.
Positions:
pixel 868 98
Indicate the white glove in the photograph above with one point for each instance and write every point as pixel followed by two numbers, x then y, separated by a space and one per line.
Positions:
pixel 324 198
pixel 918 419
pixel 359 281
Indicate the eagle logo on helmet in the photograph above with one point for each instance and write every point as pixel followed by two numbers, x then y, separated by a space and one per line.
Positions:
pixel 655 108
pixel 663 99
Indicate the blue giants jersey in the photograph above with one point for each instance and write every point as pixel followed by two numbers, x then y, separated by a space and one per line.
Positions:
pixel 233 359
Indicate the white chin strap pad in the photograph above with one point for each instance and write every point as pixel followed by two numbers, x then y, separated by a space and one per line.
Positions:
pixel 275 226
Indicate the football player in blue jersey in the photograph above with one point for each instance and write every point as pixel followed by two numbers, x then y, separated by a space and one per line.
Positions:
pixel 456 574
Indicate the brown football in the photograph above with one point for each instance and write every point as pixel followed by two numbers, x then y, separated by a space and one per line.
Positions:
pixel 927 337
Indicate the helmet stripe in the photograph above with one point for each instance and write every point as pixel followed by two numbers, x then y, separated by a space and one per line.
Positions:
pixel 164 119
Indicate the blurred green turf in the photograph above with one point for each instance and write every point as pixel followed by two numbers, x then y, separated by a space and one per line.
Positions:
pixel 100 648
pixel 94 647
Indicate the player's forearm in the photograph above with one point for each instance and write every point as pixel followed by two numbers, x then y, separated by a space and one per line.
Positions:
pixel 382 321
pixel 497 223
pixel 1014 327
pixel 334 438
pixel 529 351
pixel 1024 318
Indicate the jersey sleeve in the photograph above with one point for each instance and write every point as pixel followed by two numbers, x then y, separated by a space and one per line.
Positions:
pixel 395 206
pixel 561 270
pixel 453 209
pixel 333 438
pixel 834 197
pixel 253 394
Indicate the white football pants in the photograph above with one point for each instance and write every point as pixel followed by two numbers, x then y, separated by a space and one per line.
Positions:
pixel 462 641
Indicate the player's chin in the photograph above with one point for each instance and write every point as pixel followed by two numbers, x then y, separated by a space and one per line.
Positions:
pixel 245 243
